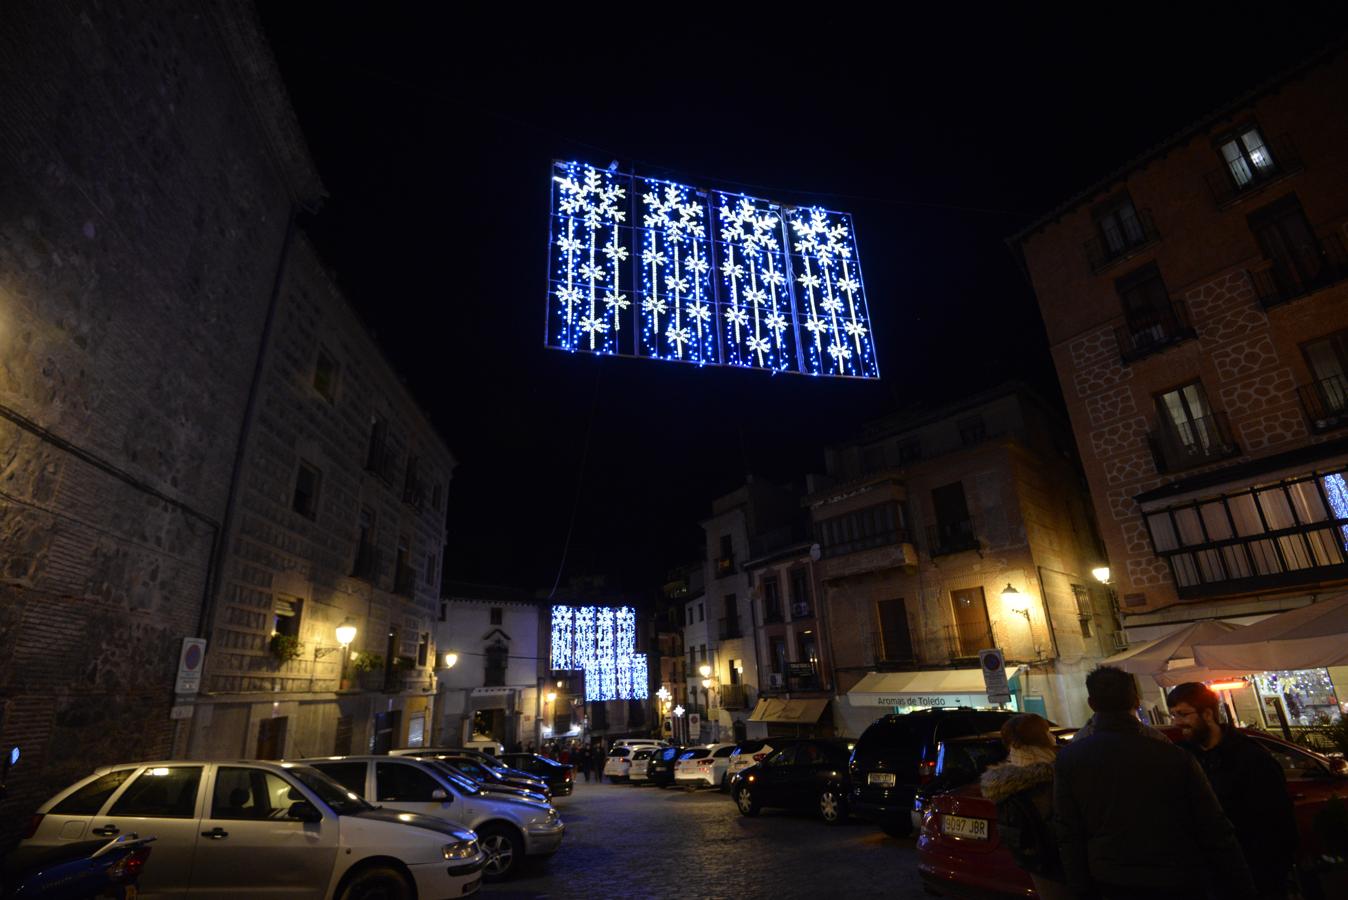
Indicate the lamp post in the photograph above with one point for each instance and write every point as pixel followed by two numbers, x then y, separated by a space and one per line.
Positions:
pixel 678 721
pixel 1019 604
pixel 346 636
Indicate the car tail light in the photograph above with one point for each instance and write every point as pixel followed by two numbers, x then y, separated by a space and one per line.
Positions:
pixel 926 770
pixel 568 774
pixel 128 869
pixel 759 757
pixel 704 762
pixel 34 824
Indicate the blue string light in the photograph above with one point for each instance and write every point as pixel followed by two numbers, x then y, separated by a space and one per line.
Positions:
pixel 601 642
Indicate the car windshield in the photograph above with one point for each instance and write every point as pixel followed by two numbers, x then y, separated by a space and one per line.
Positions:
pixel 342 801
pixel 902 737
pixel 455 777
pixel 619 751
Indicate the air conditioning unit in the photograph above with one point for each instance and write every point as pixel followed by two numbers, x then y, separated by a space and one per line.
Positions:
pixel 776 680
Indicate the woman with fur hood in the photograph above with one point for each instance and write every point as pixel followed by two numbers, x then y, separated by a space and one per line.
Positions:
pixel 1022 788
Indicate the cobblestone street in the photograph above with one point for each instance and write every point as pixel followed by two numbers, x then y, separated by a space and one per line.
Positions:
pixel 640 841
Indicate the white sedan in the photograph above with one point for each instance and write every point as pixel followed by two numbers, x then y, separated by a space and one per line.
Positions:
pixel 641 758
pixel 618 764
pixel 704 766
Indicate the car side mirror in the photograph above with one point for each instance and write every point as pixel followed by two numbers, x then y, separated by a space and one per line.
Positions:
pixel 439 794
pixel 304 811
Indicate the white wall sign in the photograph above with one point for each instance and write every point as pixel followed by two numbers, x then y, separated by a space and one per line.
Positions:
pixel 994 675
pixel 191 660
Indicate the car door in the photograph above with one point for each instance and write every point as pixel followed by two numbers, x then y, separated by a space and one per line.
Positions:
pixel 251 844
pixel 163 802
pixel 775 777
pixel 405 785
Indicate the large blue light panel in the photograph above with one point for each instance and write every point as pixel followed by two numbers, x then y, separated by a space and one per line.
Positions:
pixel 834 324
pixel 677 307
pixel 757 327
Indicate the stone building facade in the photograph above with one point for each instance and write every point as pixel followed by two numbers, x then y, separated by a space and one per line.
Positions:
pixel 338 516
pixel 149 164
pixel 922 525
pixel 1197 308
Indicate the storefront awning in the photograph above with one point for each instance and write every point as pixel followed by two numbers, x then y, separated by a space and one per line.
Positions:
pixel 930 687
pixel 792 712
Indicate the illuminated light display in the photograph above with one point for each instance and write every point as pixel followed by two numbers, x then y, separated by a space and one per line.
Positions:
pixel 1336 491
pixel 652 268
pixel 601 642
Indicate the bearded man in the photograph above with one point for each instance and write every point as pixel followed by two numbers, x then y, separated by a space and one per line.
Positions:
pixel 1249 784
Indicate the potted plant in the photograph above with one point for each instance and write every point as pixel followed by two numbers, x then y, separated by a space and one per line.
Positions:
pixel 369 669
pixel 284 648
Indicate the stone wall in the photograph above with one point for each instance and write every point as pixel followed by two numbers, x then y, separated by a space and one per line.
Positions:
pixel 141 215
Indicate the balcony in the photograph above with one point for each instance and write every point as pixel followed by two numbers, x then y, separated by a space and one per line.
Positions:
pixel 1276 282
pixel 803 682
pixel 954 537
pixel 730 628
pixel 965 642
pixel 1193 443
pixel 1143 336
pixel 414 491
pixel 366 566
pixel 734 696
pixel 1102 252
pixel 1228 185
pixel 1326 403
pixel 1303 556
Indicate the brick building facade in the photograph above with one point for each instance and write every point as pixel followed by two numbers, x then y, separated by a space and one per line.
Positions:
pixel 1196 310
pixel 921 527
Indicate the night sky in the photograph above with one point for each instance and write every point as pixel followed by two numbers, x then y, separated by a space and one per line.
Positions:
pixel 433 132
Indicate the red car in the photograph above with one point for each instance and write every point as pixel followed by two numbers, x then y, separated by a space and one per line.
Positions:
pixel 960 855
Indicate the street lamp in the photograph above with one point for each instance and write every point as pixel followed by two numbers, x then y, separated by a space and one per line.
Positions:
pixel 678 716
pixel 450 660
pixel 1101 574
pixel 346 636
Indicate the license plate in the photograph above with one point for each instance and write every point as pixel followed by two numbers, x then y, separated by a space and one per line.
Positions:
pixel 959 826
pixel 885 779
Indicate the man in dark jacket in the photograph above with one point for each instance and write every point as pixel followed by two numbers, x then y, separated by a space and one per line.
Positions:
pixel 1135 816
pixel 1249 784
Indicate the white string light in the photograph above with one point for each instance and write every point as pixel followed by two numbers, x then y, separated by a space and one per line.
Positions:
pixel 601 642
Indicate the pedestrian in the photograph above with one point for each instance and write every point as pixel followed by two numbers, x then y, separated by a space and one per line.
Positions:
pixel 1136 817
pixel 1022 788
pixel 582 761
pixel 597 759
pixel 1249 784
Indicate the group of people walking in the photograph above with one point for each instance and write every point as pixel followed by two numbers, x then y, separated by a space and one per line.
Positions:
pixel 1122 812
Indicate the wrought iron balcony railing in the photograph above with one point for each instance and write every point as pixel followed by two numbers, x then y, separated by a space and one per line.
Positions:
pixel 1142 336
pixel 367 562
pixel 1319 265
pixel 964 642
pixel 1135 233
pixel 1326 403
pixel 730 628
pixel 953 537
pixel 1239 178
pixel 1194 442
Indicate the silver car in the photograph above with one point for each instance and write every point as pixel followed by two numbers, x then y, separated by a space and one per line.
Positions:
pixel 508 828
pixel 233 829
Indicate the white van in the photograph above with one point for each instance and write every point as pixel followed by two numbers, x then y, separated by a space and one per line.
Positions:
pixel 238 829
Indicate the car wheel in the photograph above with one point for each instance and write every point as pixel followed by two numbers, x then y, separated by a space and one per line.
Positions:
pixel 832 807
pixel 897 827
pixel 504 851
pixel 744 799
pixel 377 883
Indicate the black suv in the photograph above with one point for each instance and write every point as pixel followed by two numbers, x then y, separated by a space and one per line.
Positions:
pixel 897 755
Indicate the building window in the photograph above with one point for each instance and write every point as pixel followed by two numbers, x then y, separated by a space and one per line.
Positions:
pixel 403 576
pixel 497 615
pixel 736 671
pixel 496 660
pixel 325 375
pixel 1288 533
pixel 377 455
pixel 1247 157
pixel 414 493
pixel 423 649
pixel 1326 397
pixel 444 611
pixel 702 653
pixel 725 563
pixel 863 529
pixel 730 621
pixel 954 529
pixel 1151 321
pixel 286 617
pixel 777 654
pixel 802 605
pixel 437 497
pixel 1085 609
pixel 772 601
pixel 1190 433
pixel 1118 228
pixel 700 616
pixel 972 431
pixel 430 570
pixel 910 451
pixel 688 614
pixel 1298 262
pixel 972 631
pixel 896 641
pixel 305 500
pixel 692 660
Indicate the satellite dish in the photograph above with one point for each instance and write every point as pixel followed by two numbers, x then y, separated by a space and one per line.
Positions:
pixel 815 552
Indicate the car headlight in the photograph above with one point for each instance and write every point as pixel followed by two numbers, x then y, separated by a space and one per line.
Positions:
pixel 461 850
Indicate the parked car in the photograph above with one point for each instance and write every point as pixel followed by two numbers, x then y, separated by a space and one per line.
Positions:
pixel 807 774
pixel 641 758
pixel 896 755
pixel 618 763
pixel 750 753
pixel 268 828
pixel 558 776
pixel 490 776
pixel 492 762
pixel 639 742
pixel 959 851
pixel 508 828
pixel 660 768
pixel 960 761
pixel 704 766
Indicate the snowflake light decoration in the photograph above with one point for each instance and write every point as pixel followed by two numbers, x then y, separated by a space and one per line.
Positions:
pixel 601 642
pixel 718 279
